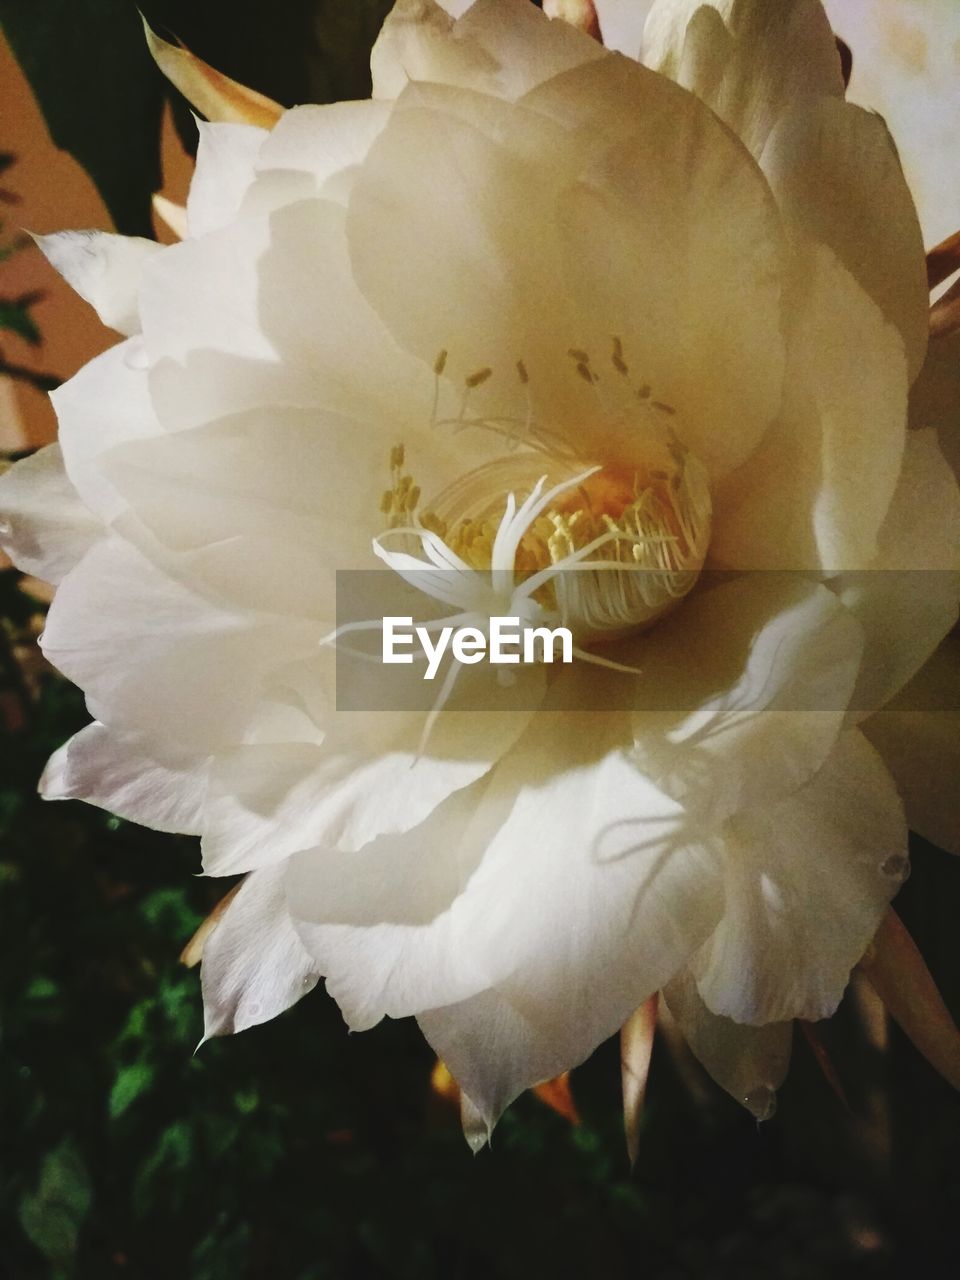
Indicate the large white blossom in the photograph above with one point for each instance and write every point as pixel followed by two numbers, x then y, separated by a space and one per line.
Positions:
pixel 567 310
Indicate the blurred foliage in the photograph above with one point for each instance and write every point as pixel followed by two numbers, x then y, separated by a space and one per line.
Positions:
pixel 297 1152
pixel 16 312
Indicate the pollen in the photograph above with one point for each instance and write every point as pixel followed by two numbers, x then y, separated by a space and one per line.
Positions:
pixel 400 501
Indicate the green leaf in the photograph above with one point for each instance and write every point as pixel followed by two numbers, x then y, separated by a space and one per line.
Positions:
pixel 131 1081
pixel 15 317
pixel 52 1214
pixel 41 989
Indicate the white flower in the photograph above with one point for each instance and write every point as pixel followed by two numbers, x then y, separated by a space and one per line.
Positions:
pixel 581 319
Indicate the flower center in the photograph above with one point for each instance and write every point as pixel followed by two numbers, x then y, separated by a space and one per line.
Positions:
pixel 609 550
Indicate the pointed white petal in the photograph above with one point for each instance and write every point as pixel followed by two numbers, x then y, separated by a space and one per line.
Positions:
pixel 105 270
pixel 749 1062
pixel 119 773
pixel 226 160
pixel 254 965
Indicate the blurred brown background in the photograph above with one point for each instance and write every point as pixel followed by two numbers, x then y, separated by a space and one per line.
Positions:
pixel 52 193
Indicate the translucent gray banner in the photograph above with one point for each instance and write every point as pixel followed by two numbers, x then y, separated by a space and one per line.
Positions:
pixel 739 641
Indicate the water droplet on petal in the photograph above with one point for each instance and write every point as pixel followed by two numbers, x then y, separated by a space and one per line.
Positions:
pixel 761 1102
pixel 475 1128
pixel 897 866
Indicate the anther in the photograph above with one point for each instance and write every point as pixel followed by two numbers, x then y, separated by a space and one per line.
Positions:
pixel 475 379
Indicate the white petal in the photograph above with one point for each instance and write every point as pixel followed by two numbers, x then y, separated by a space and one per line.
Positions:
pixel 254 965
pixel 266 313
pixel 104 269
pixel 918 735
pixel 442 916
pixel 743 692
pixel 416 43
pixel 516 259
pixel 527 48
pixel 591 895
pixel 226 166
pixel 749 60
pixel 157 659
pixel 44 527
pixel 323 141
pixel 749 1062
pixel 676 251
pixel 498 46
pixel 807 883
pixel 381 922
pixel 909 598
pixel 203 293
pixel 263 508
pixel 117 772
pixel 106 403
pixel 372 776
pixel 816 491
pixel 172 215
pixel 463 261
pixel 821 149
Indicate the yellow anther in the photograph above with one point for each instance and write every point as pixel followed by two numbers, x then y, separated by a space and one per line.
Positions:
pixel 475 379
pixel 432 522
